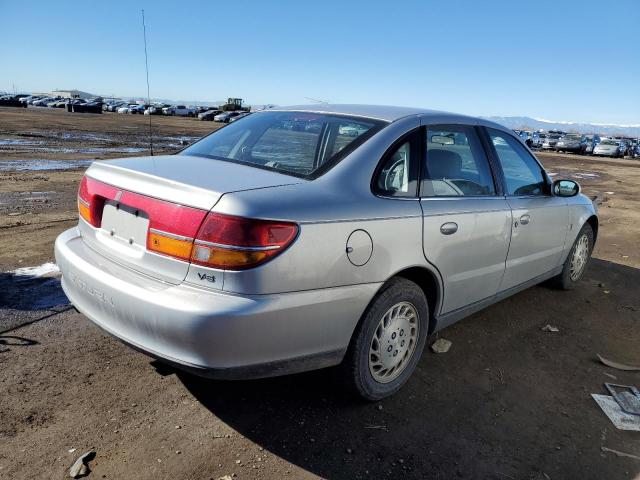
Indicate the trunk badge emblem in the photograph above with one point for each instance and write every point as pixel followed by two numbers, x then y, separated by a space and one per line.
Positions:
pixel 118 196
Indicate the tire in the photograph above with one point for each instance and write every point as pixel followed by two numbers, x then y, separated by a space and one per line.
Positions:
pixel 567 279
pixel 397 296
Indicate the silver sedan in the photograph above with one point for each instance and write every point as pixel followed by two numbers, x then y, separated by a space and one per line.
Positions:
pixel 286 242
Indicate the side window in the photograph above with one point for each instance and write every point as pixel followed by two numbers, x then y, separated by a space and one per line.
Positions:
pixel 455 163
pixel 397 174
pixel 523 175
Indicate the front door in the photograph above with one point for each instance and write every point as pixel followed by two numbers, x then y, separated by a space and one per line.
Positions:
pixel 466 222
pixel 540 220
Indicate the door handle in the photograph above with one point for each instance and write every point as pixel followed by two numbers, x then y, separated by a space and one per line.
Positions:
pixel 524 219
pixel 449 228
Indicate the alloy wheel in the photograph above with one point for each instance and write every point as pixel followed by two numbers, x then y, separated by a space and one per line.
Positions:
pixel 580 257
pixel 394 342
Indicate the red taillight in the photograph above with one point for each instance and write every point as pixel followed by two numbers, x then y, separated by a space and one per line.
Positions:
pixel 91 197
pixel 237 243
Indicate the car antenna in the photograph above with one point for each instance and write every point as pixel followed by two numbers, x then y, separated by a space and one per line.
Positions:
pixel 146 65
pixel 317 100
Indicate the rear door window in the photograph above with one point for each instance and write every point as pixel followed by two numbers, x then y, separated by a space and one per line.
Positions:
pixel 455 163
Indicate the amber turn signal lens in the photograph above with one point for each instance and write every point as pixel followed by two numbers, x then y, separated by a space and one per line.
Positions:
pixel 226 258
pixel 84 210
pixel 169 246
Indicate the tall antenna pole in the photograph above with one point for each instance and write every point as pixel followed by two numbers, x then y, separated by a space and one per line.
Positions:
pixel 146 65
pixel 317 100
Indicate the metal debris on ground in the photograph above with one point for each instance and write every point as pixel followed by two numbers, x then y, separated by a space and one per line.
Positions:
pixel 627 396
pixel 550 328
pixel 80 468
pixel 618 453
pixel 441 346
pixel 377 427
pixel 620 419
pixel 617 365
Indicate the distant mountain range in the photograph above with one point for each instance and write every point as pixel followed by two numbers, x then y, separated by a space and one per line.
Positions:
pixel 541 124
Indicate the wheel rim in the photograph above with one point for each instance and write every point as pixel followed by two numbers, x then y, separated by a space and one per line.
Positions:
pixel 394 342
pixel 580 257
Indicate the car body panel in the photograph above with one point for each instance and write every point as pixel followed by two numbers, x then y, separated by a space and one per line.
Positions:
pixel 536 247
pixel 471 261
pixel 331 208
pixel 200 329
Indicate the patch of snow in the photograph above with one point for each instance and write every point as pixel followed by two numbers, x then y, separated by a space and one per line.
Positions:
pixel 48 269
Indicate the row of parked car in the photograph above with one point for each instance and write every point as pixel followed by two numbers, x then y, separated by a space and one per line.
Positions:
pixel 202 113
pixel 120 106
pixel 581 144
pixel 57 102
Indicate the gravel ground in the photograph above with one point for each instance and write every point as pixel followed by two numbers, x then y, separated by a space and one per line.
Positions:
pixel 508 401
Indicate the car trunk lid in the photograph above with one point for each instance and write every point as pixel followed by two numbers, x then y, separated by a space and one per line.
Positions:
pixel 134 203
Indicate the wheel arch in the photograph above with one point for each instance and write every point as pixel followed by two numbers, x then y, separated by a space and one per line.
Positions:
pixel 593 222
pixel 430 285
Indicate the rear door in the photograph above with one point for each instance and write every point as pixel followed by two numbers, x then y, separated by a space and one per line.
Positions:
pixel 540 220
pixel 467 220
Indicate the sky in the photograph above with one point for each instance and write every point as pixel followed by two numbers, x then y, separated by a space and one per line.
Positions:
pixel 571 60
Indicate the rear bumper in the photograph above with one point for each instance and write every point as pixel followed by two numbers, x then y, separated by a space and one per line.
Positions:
pixel 211 333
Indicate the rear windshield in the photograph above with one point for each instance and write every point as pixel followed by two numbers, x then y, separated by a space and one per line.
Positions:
pixel 300 144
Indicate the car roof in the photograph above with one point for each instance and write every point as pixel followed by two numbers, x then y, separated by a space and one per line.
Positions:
pixel 388 113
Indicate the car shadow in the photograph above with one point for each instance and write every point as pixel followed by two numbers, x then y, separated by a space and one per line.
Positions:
pixel 30 292
pixel 25 299
pixel 507 401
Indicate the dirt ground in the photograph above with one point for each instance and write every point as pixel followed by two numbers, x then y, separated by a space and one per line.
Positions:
pixel 508 401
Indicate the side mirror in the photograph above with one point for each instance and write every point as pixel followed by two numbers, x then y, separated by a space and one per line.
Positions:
pixel 565 188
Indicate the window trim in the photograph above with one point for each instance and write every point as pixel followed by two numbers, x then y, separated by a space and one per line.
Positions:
pixel 426 189
pixel 496 160
pixel 415 153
